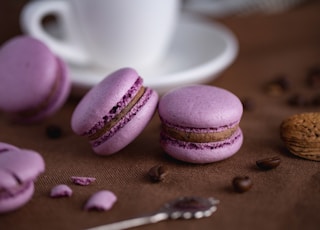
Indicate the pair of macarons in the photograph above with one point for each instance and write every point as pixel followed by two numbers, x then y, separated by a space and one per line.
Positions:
pixel 34 82
pixel 200 123
pixel 19 169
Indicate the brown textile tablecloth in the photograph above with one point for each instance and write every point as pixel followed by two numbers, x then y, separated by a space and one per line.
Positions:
pixel 287 197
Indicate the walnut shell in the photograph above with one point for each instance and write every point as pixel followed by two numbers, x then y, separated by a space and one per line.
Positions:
pixel 301 135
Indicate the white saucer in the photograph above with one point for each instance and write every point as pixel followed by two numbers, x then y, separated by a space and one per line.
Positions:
pixel 199 52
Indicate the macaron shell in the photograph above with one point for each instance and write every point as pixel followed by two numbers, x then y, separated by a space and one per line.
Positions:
pixel 14 202
pixel 101 99
pixel 59 97
pixel 5 147
pixel 7 180
pixel 131 130
pixel 102 201
pixel 211 107
pixel 225 150
pixel 25 165
pixel 27 73
pixel 61 190
pixel 19 169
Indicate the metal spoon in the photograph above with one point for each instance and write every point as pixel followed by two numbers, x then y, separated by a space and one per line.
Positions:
pixel 184 208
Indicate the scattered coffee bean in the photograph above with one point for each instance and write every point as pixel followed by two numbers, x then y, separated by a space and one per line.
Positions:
pixel 313 78
pixel 281 84
pixel 53 131
pixel 278 85
pixel 248 104
pixel 268 163
pixel 157 173
pixel 241 184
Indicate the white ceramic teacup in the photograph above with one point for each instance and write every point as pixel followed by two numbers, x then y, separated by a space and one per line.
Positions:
pixel 106 33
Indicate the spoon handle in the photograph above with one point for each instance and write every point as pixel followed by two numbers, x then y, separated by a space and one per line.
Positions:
pixel 133 222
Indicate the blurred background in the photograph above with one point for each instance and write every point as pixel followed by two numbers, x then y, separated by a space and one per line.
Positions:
pixel 10 10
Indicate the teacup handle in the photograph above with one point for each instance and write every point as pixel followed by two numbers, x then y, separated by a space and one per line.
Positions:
pixel 31 19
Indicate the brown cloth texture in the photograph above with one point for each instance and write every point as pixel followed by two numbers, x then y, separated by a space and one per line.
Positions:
pixel 287 197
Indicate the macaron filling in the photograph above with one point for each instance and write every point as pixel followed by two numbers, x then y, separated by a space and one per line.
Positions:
pixel 120 114
pixel 165 138
pixel 199 135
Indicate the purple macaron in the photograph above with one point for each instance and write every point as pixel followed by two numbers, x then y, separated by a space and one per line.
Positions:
pixel 200 123
pixel 19 168
pixel 34 82
pixel 114 112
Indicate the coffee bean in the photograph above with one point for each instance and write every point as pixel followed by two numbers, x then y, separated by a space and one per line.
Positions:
pixel 248 104
pixel 313 77
pixel 157 173
pixel 278 85
pixel 298 100
pixel 241 184
pixel 53 131
pixel 268 163
pixel 283 82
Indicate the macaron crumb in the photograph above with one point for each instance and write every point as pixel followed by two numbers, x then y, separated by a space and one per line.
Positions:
pixel 101 201
pixel 61 190
pixel 84 181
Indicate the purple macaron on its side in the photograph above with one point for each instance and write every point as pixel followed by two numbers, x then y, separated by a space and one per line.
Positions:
pixel 34 82
pixel 114 112
pixel 200 123
pixel 19 168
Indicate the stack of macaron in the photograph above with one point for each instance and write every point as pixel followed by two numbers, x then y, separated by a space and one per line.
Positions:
pixel 19 169
pixel 34 82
